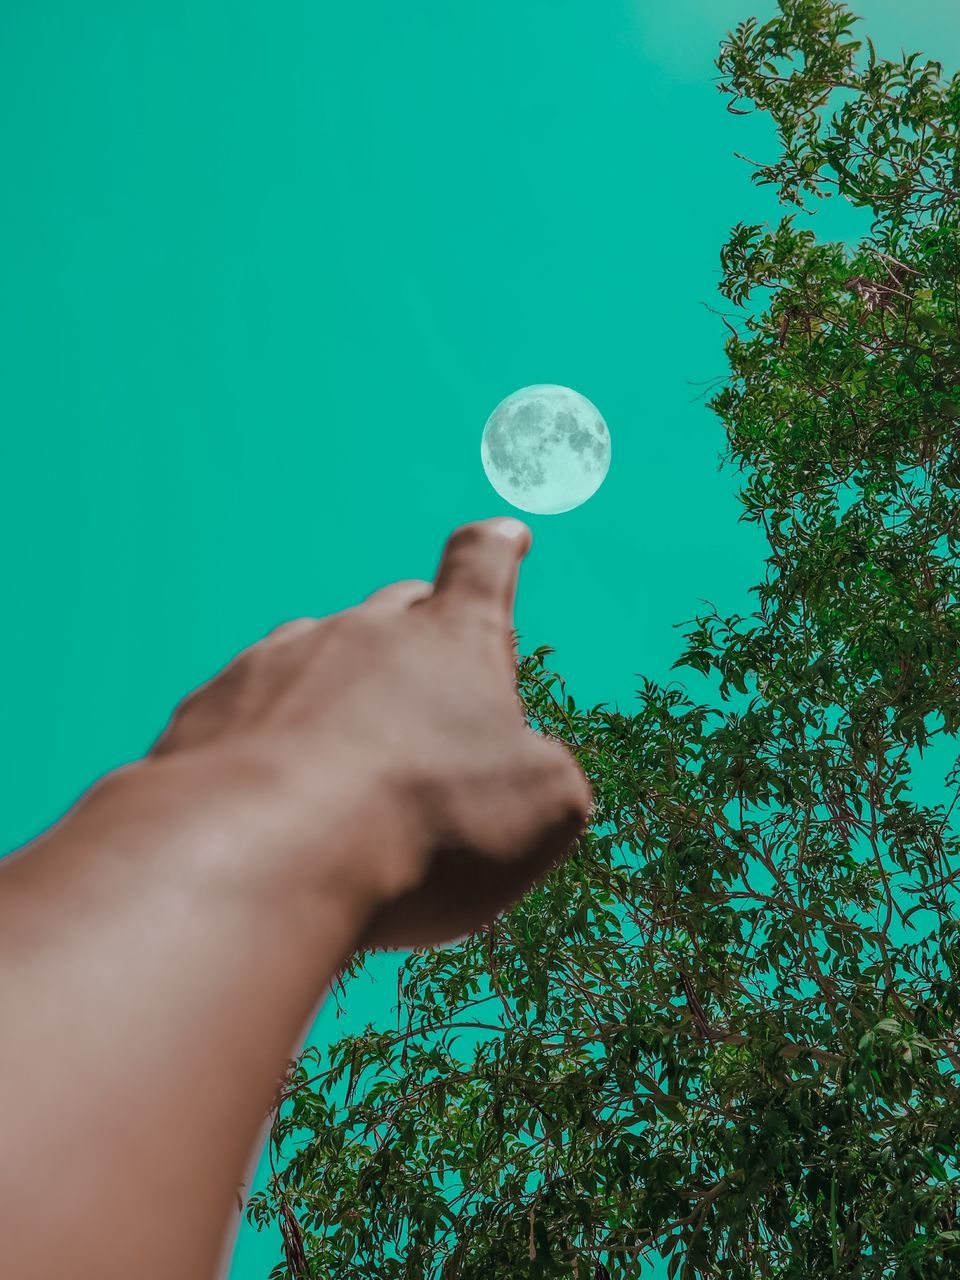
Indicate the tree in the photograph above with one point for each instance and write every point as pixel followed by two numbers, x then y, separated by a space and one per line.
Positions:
pixel 725 1033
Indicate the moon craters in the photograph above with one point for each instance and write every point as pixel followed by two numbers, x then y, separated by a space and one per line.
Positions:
pixel 546 449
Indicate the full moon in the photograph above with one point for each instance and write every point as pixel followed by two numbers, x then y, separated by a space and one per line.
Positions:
pixel 545 449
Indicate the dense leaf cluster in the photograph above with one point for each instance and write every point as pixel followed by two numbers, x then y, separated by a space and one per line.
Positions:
pixel 725 1033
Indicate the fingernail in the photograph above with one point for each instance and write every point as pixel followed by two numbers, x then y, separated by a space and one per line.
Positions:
pixel 507 527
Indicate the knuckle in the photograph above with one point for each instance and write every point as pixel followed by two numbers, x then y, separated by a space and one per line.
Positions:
pixel 573 789
pixel 407 591
pixel 235 674
pixel 295 627
pixel 359 631
pixel 179 727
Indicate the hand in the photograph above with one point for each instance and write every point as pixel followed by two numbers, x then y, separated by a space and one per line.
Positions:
pixel 415 691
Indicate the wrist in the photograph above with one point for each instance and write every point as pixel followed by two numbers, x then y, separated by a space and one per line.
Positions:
pixel 289 837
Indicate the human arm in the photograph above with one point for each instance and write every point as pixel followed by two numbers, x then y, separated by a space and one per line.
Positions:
pixel 364 779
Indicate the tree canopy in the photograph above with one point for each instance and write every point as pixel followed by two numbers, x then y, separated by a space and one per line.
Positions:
pixel 724 1034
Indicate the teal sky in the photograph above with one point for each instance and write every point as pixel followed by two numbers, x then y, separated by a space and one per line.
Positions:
pixel 264 273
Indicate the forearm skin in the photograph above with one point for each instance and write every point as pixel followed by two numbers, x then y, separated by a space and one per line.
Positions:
pixel 155 975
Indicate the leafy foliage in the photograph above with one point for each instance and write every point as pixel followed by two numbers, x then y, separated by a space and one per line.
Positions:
pixel 725 1033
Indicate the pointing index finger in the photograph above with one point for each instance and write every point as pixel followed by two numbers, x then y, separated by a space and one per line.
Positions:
pixel 481 562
